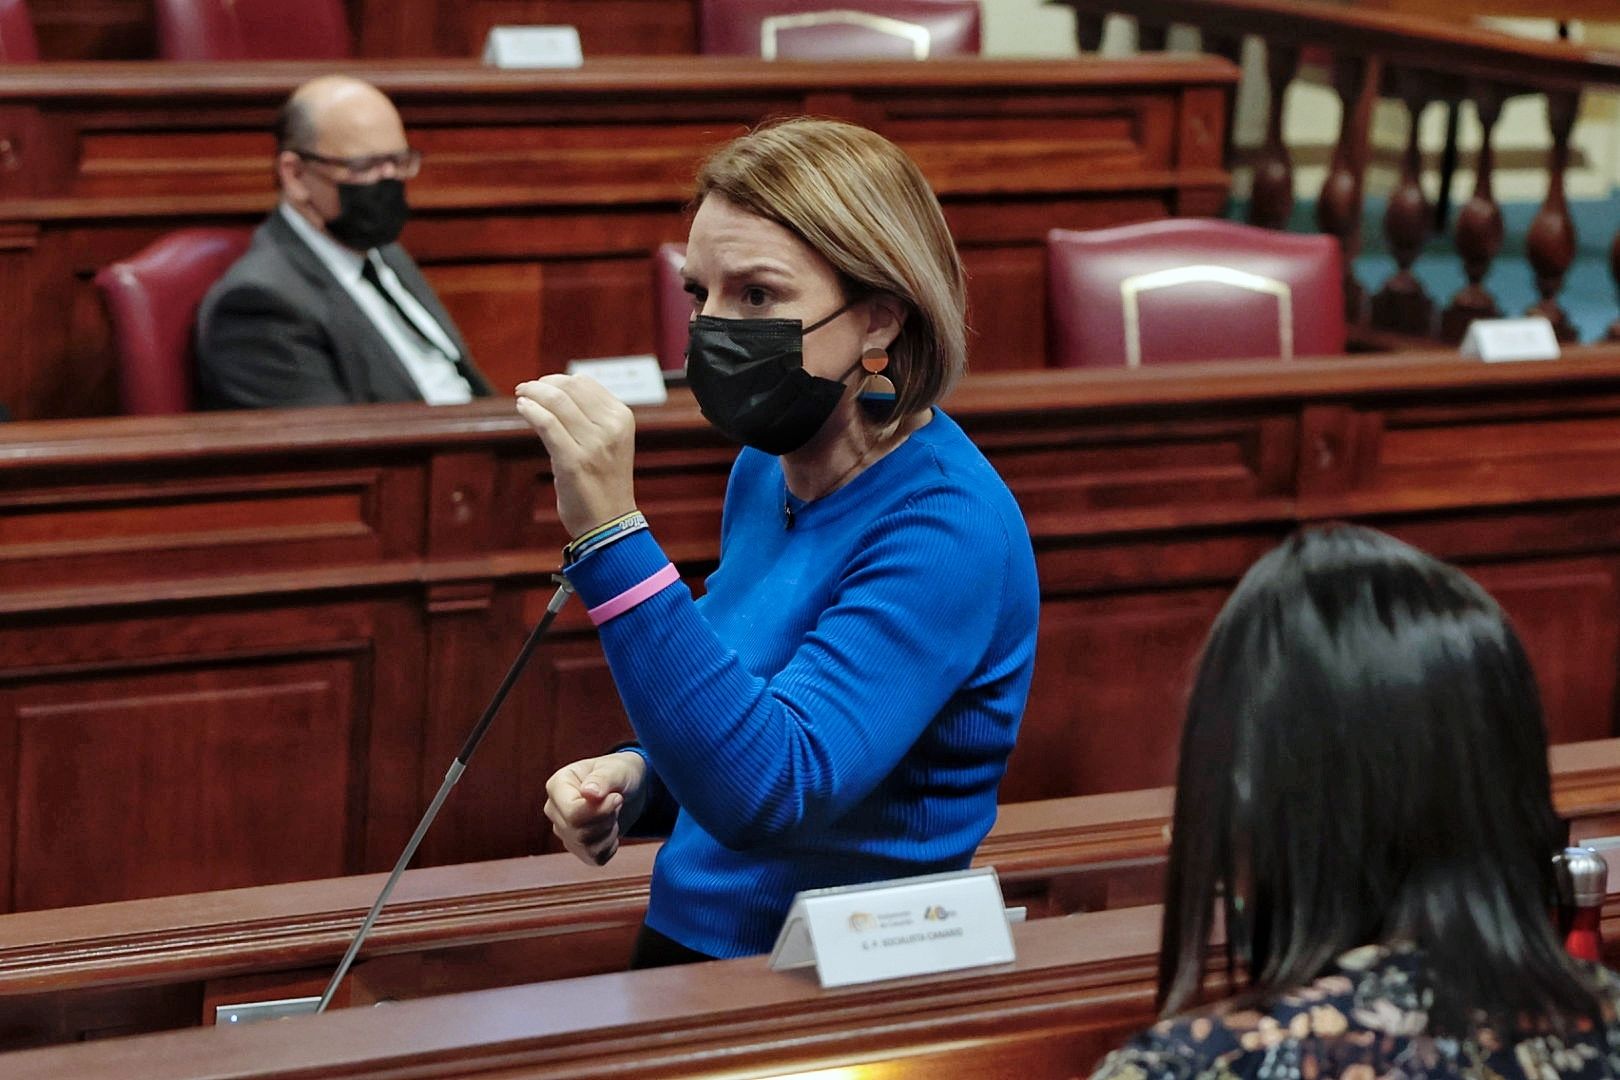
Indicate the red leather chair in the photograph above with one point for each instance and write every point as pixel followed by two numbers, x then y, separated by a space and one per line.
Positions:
pixel 152 298
pixel 1190 289
pixel 253 30
pixel 672 306
pixel 17 41
pixel 839 29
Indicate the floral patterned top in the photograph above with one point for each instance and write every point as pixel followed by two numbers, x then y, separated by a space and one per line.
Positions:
pixel 1366 1020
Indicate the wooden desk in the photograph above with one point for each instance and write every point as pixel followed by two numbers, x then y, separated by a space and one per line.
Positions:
pixel 543 195
pixel 1079 987
pixel 149 965
pixel 285 623
pixel 1598 11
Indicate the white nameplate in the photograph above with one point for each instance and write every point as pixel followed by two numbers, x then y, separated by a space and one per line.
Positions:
pixel 533 47
pixel 1499 340
pixel 894 929
pixel 634 380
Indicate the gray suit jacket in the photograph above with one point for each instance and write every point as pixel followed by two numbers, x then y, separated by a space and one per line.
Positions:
pixel 279 329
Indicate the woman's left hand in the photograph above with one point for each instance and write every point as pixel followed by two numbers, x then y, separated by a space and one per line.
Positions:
pixel 591 437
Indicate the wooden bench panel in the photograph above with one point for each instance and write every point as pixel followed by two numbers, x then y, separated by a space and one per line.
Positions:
pixel 1148 495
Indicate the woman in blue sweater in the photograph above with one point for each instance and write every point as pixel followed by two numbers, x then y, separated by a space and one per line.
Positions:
pixel 839 706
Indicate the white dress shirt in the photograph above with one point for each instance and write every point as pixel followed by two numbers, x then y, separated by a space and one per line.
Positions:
pixel 428 353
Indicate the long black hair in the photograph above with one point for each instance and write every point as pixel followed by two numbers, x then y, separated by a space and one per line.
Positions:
pixel 1364 761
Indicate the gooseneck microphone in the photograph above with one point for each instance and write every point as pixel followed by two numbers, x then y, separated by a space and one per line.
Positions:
pixel 457 767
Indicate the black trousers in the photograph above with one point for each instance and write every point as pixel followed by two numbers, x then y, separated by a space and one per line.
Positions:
pixel 655 950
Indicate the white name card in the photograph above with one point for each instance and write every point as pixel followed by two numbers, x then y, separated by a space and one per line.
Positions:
pixel 634 380
pixel 533 47
pixel 1503 340
pixel 1609 848
pixel 894 929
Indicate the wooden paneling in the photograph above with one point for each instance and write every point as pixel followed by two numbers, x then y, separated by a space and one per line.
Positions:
pixel 125 29
pixel 1560 608
pixel 597 307
pixel 500 303
pixel 543 195
pixel 1007 292
pixel 94 29
pixel 1107 673
pixel 606 27
pixel 145 784
pixel 400 553
pixel 577 683
pixel 176 750
pixel 86 526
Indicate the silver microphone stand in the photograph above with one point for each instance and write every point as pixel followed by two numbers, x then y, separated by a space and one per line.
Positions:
pixel 457 767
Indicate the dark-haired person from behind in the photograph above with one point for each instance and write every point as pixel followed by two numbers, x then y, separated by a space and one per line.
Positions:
pixel 1364 804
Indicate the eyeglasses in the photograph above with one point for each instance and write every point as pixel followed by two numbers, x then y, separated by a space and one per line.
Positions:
pixel 406 163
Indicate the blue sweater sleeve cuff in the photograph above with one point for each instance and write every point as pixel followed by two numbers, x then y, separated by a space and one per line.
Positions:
pixel 659 808
pixel 609 571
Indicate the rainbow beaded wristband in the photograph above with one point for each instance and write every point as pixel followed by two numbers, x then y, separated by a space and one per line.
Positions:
pixel 603 535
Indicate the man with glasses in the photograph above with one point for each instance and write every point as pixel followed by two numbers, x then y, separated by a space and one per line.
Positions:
pixel 325 308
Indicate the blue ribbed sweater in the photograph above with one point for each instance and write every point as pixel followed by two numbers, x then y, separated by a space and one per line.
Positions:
pixel 839 706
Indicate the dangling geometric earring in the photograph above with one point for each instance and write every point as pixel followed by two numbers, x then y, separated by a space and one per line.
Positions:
pixel 876 387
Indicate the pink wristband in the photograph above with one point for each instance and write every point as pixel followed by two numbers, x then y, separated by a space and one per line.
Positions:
pixel 634 595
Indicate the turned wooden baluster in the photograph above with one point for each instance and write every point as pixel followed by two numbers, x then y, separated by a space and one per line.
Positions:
pixel 1479 227
pixel 1230 49
pixel 1088 31
pixel 1614 270
pixel 1402 305
pixel 1338 210
pixel 1271 195
pixel 1551 242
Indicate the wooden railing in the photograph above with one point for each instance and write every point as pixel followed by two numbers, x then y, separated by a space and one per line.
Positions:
pixel 149 965
pixel 1418 62
pixel 1079 988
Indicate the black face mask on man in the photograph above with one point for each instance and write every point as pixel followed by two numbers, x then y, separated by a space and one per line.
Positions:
pixel 370 215
pixel 749 379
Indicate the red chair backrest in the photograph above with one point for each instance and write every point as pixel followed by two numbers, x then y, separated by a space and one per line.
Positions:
pixel 1190 289
pixel 152 297
pixel 840 29
pixel 17 41
pixel 253 30
pixel 672 306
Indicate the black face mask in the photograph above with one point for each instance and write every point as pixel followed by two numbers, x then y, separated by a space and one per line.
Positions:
pixel 749 379
pixel 370 215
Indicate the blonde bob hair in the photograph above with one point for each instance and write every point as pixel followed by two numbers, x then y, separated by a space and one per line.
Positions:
pixel 859 201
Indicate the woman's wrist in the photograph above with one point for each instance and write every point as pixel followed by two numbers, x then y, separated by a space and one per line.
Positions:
pixel 602 535
pixel 613 569
pixel 635 794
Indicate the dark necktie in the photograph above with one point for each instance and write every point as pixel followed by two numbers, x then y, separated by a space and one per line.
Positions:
pixel 368 270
